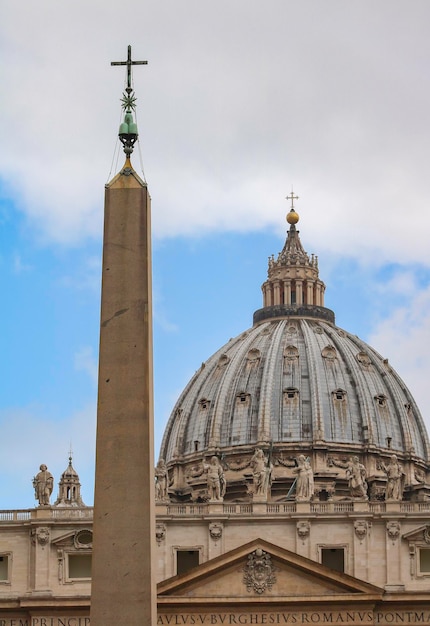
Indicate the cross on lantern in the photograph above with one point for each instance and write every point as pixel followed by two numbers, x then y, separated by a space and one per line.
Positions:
pixel 292 197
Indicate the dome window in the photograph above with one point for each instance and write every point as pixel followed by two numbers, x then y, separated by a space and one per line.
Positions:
pixel 329 353
pixel 253 355
pixel 291 353
pixel 363 359
pixel 291 393
pixel 339 395
pixel 204 404
pixel 223 360
pixel 381 400
pixel 242 397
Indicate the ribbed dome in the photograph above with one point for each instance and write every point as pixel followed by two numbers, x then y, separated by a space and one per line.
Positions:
pixel 293 384
pixel 295 380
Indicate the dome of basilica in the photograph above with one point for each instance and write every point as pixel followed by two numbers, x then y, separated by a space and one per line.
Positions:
pixel 294 384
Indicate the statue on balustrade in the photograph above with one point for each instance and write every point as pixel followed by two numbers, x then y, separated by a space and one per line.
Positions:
pixel 305 479
pixel 356 474
pixel 395 479
pixel 261 473
pixel 216 483
pixel 43 484
pixel 161 482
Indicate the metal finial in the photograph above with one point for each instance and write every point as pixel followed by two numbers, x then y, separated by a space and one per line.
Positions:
pixel 128 129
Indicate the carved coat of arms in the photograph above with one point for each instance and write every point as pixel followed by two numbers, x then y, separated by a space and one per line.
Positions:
pixel 259 572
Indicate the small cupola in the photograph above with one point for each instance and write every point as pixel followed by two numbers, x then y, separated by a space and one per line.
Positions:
pixel 69 488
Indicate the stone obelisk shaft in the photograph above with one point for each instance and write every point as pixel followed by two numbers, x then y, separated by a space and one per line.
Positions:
pixel 123 588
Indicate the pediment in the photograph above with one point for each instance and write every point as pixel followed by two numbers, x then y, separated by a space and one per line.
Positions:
pixel 261 570
pixel 81 538
pixel 64 540
pixel 422 533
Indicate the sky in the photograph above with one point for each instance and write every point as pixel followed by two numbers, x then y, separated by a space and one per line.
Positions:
pixel 240 102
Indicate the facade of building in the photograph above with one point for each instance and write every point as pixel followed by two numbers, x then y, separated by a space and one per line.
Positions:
pixel 292 486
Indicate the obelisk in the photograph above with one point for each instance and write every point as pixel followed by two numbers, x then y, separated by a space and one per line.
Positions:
pixel 123 586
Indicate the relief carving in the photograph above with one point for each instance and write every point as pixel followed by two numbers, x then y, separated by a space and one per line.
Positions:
pixel 289 462
pixel 60 558
pixel 160 533
pixel 259 573
pixel 393 530
pixel 236 465
pixel 215 531
pixel 40 535
pixel 194 471
pixel 303 529
pixel 332 462
pixel 420 476
pixel 361 528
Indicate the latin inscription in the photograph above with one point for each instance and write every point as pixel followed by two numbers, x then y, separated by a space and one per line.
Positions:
pixel 298 618
pixel 46 621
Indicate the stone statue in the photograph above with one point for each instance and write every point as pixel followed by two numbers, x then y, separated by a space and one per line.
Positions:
pixel 43 484
pixel 215 479
pixel 305 479
pixel 261 473
pixel 356 474
pixel 395 479
pixel 161 481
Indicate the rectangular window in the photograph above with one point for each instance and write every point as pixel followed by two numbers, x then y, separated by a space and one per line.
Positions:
pixel 186 560
pixel 79 566
pixel 4 568
pixel 424 560
pixel 333 558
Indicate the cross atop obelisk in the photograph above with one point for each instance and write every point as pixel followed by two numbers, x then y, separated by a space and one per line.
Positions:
pixel 128 129
pixel 129 63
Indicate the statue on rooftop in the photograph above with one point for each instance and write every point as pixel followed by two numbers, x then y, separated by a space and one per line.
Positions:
pixel 215 479
pixel 356 474
pixel 305 479
pixel 395 479
pixel 161 481
pixel 43 484
pixel 261 473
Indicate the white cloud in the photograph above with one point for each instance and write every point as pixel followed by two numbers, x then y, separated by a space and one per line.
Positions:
pixel 234 107
pixel 404 337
